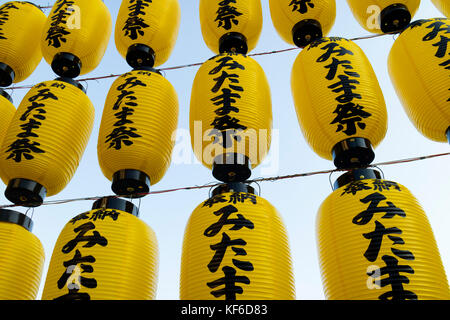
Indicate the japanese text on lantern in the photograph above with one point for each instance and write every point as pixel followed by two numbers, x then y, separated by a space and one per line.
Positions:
pixel 4 17
pixel 135 23
pixel 227 14
pixel 57 31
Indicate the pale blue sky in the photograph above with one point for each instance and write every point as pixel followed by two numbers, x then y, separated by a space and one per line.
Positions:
pixel 297 200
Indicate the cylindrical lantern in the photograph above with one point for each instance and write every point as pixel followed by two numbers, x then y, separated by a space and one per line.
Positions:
pixel 375 242
pixel 75 36
pixel 339 103
pixel 146 31
pixel 135 140
pixel 7 111
pixel 301 22
pixel 21 25
pixel 231 26
pixel 231 116
pixel 422 79
pixel 107 253
pixel 443 6
pixel 384 16
pixel 45 141
pixel 236 248
pixel 21 257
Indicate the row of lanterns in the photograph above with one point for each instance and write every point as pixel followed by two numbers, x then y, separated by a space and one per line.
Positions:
pixel 235 244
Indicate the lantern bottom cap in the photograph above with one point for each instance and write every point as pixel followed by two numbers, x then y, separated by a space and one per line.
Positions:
pixel 233 187
pixel 130 183
pixel 394 18
pixel 117 204
pixel 306 31
pixel 353 153
pixel 233 42
pixel 7 75
pixel 140 55
pixel 356 175
pixel 231 167
pixel 448 135
pixel 26 193
pixel 66 65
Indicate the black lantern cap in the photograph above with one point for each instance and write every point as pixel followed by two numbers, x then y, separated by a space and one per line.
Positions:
pixel 5 94
pixel 26 193
pixel 306 31
pixel 231 167
pixel 448 135
pixel 233 42
pixel 72 82
pixel 233 187
pixel 150 69
pixel 15 217
pixel 356 175
pixel 131 183
pixel 140 55
pixel 395 18
pixel 117 204
pixel 353 153
pixel 7 75
pixel 66 64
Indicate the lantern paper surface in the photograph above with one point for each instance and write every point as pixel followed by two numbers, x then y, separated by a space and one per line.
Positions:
pixel 418 66
pixel 375 242
pixel 443 6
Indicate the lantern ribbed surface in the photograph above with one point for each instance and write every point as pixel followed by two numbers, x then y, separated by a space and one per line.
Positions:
pixel 418 69
pixel 218 18
pixel 255 263
pixel 153 24
pixel 230 98
pixel 7 110
pixel 139 118
pixel 377 227
pixel 21 29
pixel 337 95
pixel 121 262
pixel 79 27
pixel 443 6
pixel 47 135
pixel 21 263
pixel 285 14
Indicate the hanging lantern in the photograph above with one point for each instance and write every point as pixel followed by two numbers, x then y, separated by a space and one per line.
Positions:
pixel 75 36
pixel 375 242
pixel 236 248
pixel 107 253
pixel 384 16
pixel 45 141
pixel 7 111
pixel 231 26
pixel 301 22
pixel 21 24
pixel 231 116
pixel 421 79
pixel 443 6
pixel 135 141
pixel 21 257
pixel 339 103
pixel 146 31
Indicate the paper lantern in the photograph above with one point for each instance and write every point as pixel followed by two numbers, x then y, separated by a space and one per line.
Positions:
pixel 384 16
pixel 443 6
pixel 236 248
pixel 135 140
pixel 231 26
pixel 45 141
pixel 7 111
pixel 339 103
pixel 107 253
pixel 419 68
pixel 231 116
pixel 301 22
pixel 375 242
pixel 75 36
pixel 21 25
pixel 21 257
pixel 146 31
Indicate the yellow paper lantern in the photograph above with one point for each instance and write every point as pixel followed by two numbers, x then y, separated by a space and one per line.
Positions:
pixel 231 116
pixel 45 141
pixel 7 111
pixel 375 242
pixel 146 31
pixel 135 140
pixel 76 36
pixel 21 257
pixel 419 68
pixel 339 102
pixel 236 248
pixel 301 22
pixel 443 6
pixel 231 26
pixel 107 253
pixel 21 25
pixel 384 16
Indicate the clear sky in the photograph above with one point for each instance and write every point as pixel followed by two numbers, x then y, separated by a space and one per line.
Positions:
pixel 297 200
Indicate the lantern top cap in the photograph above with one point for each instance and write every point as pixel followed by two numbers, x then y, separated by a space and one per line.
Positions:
pixel 356 175
pixel 15 217
pixel 116 203
pixel 5 94
pixel 233 187
pixel 72 82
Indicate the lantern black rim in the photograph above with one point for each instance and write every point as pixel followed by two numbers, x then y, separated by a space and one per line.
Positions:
pixel 233 187
pixel 15 217
pixel 231 167
pixel 5 94
pixel 26 193
pixel 72 82
pixel 66 65
pixel 448 135
pixel 394 18
pixel 7 75
pixel 306 31
pixel 140 55
pixel 150 69
pixel 33 4
pixel 233 42
pixel 117 204
pixel 353 153
pixel 130 183
pixel 356 175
